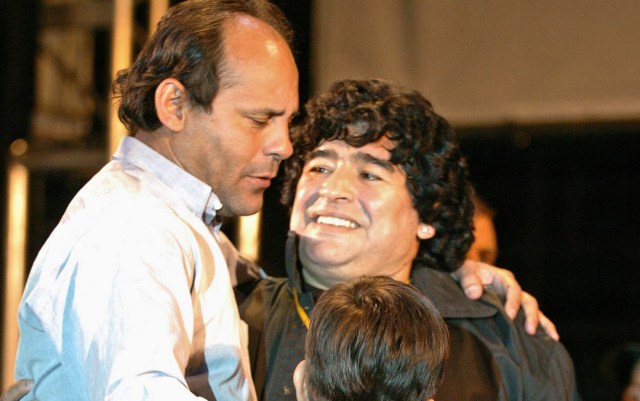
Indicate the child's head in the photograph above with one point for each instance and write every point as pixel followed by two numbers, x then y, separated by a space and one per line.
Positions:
pixel 373 338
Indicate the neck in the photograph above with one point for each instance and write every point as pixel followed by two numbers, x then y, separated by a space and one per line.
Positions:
pixel 160 141
pixel 314 282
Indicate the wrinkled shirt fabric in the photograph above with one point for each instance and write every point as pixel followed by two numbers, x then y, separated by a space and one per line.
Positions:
pixel 131 298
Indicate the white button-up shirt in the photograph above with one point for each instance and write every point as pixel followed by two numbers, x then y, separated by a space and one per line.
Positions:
pixel 131 294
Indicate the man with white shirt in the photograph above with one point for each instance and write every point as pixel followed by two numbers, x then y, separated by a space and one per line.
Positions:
pixel 130 298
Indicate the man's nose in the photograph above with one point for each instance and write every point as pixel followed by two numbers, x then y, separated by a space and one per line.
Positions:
pixel 279 144
pixel 339 185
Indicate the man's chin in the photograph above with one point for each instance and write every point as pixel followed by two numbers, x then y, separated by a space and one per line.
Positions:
pixel 324 252
pixel 245 209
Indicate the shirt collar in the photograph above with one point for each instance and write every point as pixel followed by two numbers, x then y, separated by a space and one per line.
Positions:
pixel 198 196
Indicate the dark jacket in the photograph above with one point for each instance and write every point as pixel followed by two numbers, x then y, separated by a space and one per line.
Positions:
pixel 492 357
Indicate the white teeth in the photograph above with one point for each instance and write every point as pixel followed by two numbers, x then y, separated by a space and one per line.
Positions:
pixel 335 221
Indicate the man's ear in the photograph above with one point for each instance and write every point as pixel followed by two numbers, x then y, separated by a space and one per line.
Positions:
pixel 298 381
pixel 171 102
pixel 426 231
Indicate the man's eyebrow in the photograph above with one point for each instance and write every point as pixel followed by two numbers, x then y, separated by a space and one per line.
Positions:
pixel 325 153
pixel 268 112
pixel 367 158
pixel 359 157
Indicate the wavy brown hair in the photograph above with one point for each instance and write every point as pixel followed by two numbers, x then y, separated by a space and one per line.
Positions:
pixel 188 45
pixel 375 339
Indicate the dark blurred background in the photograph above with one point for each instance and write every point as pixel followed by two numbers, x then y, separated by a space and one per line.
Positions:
pixel 565 193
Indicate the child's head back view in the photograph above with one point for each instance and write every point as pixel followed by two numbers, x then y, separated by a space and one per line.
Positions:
pixel 374 339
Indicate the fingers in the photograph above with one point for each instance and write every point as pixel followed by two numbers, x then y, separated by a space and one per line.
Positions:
pixel 17 390
pixel 531 311
pixel 511 290
pixel 469 279
pixel 473 276
pixel 549 327
pixel 506 286
pixel 534 317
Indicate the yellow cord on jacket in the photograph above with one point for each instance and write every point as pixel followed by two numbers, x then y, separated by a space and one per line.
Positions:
pixel 301 312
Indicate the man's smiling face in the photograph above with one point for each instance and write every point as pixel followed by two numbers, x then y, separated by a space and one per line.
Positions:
pixel 354 214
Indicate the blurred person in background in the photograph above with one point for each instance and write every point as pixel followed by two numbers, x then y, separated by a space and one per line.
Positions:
pixel 621 365
pixel 485 245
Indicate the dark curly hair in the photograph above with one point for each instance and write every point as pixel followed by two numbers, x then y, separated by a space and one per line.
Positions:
pixel 188 46
pixel 427 150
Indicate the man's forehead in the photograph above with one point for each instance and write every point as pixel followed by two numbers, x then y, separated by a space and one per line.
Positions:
pixel 381 148
pixel 378 152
